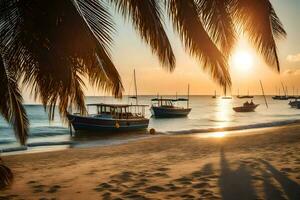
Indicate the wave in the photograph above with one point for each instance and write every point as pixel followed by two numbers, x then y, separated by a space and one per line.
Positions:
pixel 234 128
pixel 36 144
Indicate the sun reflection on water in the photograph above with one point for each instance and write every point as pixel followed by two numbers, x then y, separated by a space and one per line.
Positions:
pixel 218 135
pixel 223 110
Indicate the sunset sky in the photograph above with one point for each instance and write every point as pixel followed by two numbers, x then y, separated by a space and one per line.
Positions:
pixel 129 53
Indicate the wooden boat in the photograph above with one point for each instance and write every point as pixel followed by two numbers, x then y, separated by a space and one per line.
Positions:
pixel 111 118
pixel 247 107
pixel 165 108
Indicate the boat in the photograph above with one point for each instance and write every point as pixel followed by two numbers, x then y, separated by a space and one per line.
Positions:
pixel 111 118
pixel 215 95
pixel 247 107
pixel 165 108
pixel 245 96
pixel 295 103
pixel 226 97
pixel 280 98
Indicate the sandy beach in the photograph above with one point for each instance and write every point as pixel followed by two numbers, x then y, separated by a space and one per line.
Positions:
pixel 262 164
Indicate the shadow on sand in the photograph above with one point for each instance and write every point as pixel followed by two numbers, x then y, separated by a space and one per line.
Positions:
pixel 235 184
pixel 239 183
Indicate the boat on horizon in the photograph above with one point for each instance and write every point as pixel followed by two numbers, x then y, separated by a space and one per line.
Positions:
pixel 215 95
pixel 247 107
pixel 225 95
pixel 245 96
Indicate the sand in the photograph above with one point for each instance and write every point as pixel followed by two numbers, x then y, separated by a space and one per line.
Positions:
pixel 262 164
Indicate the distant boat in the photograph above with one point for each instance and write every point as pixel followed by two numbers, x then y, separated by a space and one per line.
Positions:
pixel 165 108
pixel 111 118
pixel 280 98
pixel 215 96
pixel 294 104
pixel 247 107
pixel 226 97
pixel 245 96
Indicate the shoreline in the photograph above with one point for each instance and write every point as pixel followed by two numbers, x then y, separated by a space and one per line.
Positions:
pixel 46 146
pixel 262 164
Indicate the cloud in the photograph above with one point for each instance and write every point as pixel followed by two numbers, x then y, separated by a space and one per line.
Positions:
pixel 292 72
pixel 293 58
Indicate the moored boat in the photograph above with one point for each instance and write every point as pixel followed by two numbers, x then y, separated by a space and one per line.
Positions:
pixel 111 118
pixel 247 107
pixel 295 103
pixel 165 108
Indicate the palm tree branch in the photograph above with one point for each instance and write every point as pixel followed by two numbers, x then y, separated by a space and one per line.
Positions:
pixel 185 17
pixel 146 18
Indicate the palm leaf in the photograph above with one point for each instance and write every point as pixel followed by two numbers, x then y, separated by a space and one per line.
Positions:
pixel 216 16
pixel 146 18
pixel 6 176
pixel 259 21
pixel 57 43
pixel 11 107
pixel 185 17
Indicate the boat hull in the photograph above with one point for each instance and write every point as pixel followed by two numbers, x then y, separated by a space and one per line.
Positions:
pixel 245 108
pixel 160 112
pixel 82 123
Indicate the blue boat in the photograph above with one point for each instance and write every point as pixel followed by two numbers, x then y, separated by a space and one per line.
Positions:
pixel 165 108
pixel 111 118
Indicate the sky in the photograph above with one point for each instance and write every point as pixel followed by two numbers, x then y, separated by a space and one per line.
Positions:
pixel 129 52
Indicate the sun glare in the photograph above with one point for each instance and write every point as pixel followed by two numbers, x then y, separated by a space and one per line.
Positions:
pixel 242 60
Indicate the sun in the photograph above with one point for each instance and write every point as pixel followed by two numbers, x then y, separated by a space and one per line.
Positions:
pixel 242 60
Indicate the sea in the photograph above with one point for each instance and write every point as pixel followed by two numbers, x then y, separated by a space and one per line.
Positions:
pixel 208 115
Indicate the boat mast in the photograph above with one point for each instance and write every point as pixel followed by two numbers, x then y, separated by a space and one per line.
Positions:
pixel 188 100
pixel 262 88
pixel 283 89
pixel 135 87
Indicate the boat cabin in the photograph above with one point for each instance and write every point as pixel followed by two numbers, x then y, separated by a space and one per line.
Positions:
pixel 119 111
pixel 168 103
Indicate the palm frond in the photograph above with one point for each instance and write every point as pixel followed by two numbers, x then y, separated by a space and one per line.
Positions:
pixel 11 107
pixel 185 17
pixel 261 24
pixel 146 18
pixel 56 43
pixel 216 16
pixel 6 176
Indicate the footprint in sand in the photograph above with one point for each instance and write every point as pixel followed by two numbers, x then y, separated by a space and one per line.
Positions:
pixel 201 185
pixel 154 189
pixel 103 186
pixel 184 180
pixel 38 188
pixel 54 189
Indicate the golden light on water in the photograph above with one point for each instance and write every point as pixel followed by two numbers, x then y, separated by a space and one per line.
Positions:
pixel 218 134
pixel 222 114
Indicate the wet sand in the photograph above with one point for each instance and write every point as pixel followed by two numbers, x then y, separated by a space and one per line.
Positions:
pixel 263 164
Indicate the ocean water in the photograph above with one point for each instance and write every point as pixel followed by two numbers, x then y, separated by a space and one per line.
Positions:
pixel 207 114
